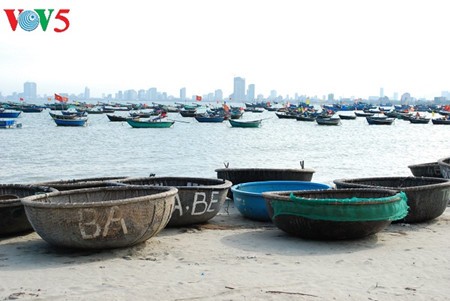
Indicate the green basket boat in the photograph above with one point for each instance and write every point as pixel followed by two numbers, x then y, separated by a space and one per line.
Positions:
pixel 135 123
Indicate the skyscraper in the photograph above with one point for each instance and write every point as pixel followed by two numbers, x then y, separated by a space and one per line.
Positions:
pixel 182 94
pixel 381 92
pixel 29 91
pixel 87 93
pixel 251 92
pixel 239 89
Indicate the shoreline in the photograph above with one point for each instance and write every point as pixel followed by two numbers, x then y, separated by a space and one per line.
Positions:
pixel 233 258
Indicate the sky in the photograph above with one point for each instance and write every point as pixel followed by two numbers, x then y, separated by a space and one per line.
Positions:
pixel 350 48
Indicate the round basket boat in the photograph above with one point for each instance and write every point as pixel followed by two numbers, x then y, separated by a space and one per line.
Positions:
pixel 431 169
pixel 335 214
pixel 248 197
pixel 444 167
pixel 101 217
pixel 72 184
pixel 246 175
pixel 427 197
pixel 198 199
pixel 12 214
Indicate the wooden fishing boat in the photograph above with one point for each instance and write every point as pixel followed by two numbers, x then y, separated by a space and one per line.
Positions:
pixel 188 113
pixel 328 120
pixel 78 121
pixel 136 123
pixel 347 116
pixel 245 123
pixel 420 120
pixel 9 124
pixel 116 118
pixel 306 117
pixel 440 121
pixel 209 118
pixel 363 114
pixel 63 116
pixel 379 120
pixel 9 113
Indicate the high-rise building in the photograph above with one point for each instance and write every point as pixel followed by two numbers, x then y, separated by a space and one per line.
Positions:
pixel 87 93
pixel 273 94
pixel 182 94
pixel 381 92
pixel 251 92
pixel 29 91
pixel 239 89
pixel 218 95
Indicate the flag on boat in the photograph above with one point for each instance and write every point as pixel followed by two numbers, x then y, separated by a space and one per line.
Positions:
pixel 21 99
pixel 198 98
pixel 61 98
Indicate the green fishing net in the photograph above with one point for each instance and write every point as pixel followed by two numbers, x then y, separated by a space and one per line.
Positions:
pixel 350 209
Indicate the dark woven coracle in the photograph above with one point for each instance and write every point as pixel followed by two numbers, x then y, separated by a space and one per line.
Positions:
pixel 13 219
pixel 431 169
pixel 72 184
pixel 444 166
pixel 245 175
pixel 198 199
pixel 427 197
pixel 321 229
pixel 101 217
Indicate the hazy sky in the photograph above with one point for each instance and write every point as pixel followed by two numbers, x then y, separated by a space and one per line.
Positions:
pixel 315 47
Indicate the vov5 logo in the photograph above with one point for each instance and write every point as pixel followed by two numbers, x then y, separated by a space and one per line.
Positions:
pixel 29 20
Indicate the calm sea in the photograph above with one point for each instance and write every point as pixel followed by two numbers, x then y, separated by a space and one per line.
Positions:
pixel 42 151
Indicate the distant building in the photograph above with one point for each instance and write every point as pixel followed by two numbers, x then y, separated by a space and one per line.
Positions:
pixel 445 94
pixel 330 97
pixel 218 95
pixel 251 92
pixel 239 89
pixel 381 92
pixel 152 94
pixel 406 98
pixel 395 96
pixel 273 94
pixel 29 91
pixel 182 94
pixel 87 93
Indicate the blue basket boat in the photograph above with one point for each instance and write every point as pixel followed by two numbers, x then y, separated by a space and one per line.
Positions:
pixel 249 201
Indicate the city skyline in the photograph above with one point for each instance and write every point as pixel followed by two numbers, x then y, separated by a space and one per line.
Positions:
pixel 242 92
pixel 347 48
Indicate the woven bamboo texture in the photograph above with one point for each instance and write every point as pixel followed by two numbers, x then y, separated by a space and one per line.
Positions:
pixel 427 197
pixel 13 219
pixel 444 166
pixel 317 229
pixel 198 199
pixel 71 184
pixel 101 217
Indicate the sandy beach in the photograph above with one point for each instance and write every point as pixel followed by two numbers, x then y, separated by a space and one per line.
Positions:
pixel 232 258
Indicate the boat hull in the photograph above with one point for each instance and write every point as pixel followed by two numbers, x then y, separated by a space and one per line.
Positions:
pixel 150 124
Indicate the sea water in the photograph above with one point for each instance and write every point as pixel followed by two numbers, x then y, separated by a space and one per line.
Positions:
pixel 42 151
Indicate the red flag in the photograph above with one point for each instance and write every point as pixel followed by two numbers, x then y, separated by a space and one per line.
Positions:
pixel 198 98
pixel 21 99
pixel 60 98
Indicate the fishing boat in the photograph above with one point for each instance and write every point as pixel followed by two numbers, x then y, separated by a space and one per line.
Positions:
pixel 112 117
pixel 328 120
pixel 136 123
pixel 62 116
pixel 245 123
pixel 188 113
pixel 379 120
pixel 441 121
pixel 9 113
pixel 77 121
pixel 209 118
pixel 9 124
pixel 419 119
pixel 347 116
pixel 363 114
